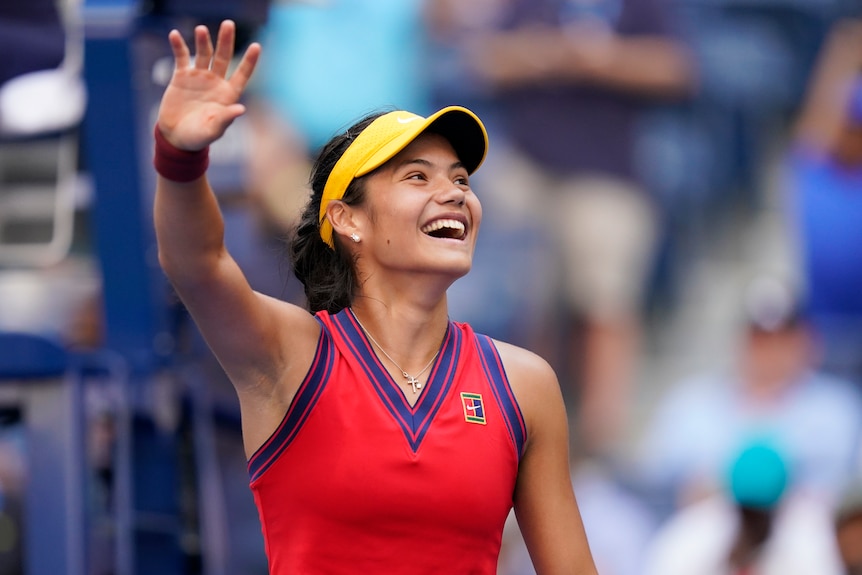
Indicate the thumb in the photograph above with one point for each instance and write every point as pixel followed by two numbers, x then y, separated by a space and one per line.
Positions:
pixel 234 111
pixel 225 117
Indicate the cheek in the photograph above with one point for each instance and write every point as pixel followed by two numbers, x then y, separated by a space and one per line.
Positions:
pixel 388 217
pixel 395 225
pixel 475 207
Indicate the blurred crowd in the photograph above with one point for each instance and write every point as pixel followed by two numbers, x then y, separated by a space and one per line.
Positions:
pixel 631 141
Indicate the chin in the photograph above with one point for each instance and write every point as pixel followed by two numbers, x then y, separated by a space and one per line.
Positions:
pixel 455 269
pixel 463 270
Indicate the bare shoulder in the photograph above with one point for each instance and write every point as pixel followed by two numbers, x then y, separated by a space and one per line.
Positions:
pixel 534 382
pixel 520 362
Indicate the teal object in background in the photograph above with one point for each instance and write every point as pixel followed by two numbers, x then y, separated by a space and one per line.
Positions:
pixel 759 476
pixel 326 64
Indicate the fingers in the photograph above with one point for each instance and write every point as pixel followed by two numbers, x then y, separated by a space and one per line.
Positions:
pixel 182 57
pixel 244 70
pixel 224 48
pixel 203 48
pixel 218 60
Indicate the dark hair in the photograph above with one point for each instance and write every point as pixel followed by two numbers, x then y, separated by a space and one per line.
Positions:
pixel 327 274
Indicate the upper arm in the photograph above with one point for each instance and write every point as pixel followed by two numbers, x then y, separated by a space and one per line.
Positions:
pixel 261 342
pixel 264 345
pixel 545 504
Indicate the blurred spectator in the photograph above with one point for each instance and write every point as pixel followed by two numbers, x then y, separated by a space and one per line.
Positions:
pixel 824 190
pixel 771 390
pixel 754 59
pixel 848 528
pixel 570 80
pixel 619 523
pixel 753 526
pixel 324 65
pixel 711 159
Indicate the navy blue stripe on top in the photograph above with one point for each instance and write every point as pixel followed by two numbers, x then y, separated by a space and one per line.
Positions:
pixel 493 367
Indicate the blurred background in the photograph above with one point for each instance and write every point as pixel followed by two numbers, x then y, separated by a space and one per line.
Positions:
pixel 672 217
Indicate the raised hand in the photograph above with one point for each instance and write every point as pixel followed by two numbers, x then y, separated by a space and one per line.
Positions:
pixel 201 101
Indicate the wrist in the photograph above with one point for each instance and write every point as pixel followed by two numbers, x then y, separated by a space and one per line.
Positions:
pixel 175 164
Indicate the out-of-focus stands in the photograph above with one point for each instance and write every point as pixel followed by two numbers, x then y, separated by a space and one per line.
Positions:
pixel 109 437
pixel 148 422
pixel 42 463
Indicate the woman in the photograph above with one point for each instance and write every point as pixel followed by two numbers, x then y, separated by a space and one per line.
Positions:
pixel 382 438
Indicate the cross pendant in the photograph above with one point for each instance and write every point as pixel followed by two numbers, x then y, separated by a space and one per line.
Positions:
pixel 417 385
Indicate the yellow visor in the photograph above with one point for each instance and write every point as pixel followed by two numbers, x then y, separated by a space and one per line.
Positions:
pixel 391 133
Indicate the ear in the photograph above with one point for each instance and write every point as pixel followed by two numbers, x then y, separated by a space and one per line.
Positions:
pixel 342 218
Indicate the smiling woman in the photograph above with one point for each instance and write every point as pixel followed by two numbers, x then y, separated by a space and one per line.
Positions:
pixel 387 135
pixel 381 436
pixel 377 143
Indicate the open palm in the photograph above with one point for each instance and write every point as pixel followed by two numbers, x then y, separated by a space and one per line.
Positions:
pixel 201 100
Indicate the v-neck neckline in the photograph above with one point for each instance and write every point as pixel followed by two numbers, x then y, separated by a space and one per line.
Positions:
pixel 413 419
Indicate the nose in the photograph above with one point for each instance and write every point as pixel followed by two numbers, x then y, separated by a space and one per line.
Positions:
pixel 453 194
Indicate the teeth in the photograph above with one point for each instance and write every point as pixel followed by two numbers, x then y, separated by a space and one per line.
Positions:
pixel 440 224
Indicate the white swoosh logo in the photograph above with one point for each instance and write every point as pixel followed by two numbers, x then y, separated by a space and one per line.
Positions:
pixel 472 407
pixel 406 120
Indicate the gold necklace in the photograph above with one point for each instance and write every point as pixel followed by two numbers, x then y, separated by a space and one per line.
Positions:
pixel 411 379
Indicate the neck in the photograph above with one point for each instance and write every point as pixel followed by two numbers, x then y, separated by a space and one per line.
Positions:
pixel 409 295
pixel 410 336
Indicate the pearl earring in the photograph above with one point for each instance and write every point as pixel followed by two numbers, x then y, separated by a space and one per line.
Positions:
pixel 355 237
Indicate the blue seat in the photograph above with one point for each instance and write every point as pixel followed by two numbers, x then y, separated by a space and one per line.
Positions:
pixel 36 378
pixel 29 356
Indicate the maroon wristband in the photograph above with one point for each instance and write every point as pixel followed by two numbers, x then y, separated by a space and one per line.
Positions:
pixel 179 165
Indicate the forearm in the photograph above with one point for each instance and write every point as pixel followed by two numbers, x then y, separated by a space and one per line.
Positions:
pixel 649 65
pixel 652 66
pixel 197 107
pixel 189 229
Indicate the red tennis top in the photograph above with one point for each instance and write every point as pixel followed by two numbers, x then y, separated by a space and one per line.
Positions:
pixel 355 480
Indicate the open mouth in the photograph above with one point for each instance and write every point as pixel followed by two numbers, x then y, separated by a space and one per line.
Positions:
pixel 449 229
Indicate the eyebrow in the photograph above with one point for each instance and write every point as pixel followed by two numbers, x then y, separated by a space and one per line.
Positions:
pixel 426 163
